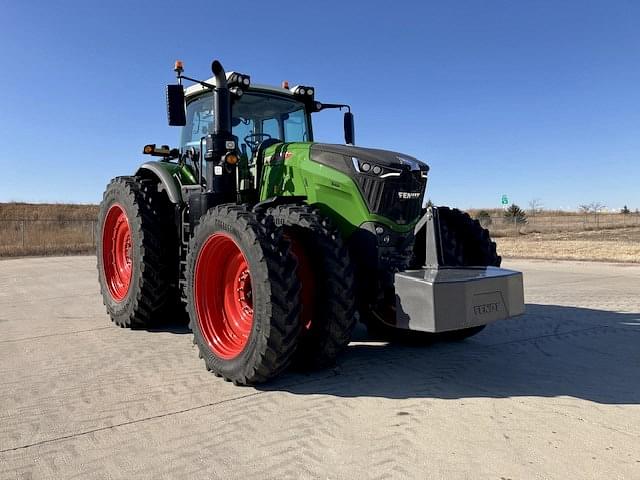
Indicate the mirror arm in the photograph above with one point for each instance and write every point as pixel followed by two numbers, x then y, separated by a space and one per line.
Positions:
pixel 204 84
pixel 322 106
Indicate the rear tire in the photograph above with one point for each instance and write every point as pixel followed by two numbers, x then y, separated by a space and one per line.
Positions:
pixel 137 245
pixel 243 299
pixel 327 284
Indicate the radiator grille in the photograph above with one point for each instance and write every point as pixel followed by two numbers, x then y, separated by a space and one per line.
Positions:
pixel 383 195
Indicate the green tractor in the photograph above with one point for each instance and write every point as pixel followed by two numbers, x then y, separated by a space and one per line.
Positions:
pixel 273 245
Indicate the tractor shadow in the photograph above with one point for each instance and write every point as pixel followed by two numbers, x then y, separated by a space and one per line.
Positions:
pixel 550 351
pixel 175 328
pixel 176 325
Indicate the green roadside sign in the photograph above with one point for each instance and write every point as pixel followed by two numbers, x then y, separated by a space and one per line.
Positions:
pixel 505 199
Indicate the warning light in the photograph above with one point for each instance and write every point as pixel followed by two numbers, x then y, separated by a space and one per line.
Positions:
pixel 178 66
pixel 231 158
pixel 285 84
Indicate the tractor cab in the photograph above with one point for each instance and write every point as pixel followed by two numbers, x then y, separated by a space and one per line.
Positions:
pixel 254 116
pixel 260 118
pixel 258 115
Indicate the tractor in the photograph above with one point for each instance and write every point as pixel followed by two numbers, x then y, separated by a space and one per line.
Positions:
pixel 272 245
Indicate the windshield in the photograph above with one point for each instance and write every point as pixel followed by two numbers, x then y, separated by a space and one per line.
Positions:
pixel 271 116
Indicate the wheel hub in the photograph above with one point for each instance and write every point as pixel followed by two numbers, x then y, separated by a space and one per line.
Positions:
pixel 223 296
pixel 117 252
pixel 245 292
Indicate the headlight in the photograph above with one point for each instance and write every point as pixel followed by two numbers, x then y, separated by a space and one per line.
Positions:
pixel 236 79
pixel 302 90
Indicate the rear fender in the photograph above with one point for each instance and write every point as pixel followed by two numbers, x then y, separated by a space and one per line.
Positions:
pixel 162 174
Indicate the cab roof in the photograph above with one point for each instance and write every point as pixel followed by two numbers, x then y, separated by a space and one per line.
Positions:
pixel 197 89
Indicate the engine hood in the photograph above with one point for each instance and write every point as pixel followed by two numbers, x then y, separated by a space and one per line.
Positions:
pixel 392 184
pixel 328 154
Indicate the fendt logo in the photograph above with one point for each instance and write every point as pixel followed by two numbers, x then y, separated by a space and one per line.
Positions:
pixel 408 195
pixel 486 308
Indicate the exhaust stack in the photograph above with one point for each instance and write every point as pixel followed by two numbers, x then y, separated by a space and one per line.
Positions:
pixel 221 101
pixel 220 177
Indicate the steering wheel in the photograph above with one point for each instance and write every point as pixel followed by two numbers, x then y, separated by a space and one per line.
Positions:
pixel 255 139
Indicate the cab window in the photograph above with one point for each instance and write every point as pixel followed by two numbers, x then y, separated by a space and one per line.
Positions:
pixel 271 116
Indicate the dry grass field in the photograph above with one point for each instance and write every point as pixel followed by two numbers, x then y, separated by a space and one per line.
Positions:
pixel 58 229
pixel 47 211
pixel 556 222
pixel 614 245
pixel 46 229
pixel 567 235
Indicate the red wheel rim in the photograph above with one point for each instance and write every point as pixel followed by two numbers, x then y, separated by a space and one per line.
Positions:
pixel 223 296
pixel 305 275
pixel 116 252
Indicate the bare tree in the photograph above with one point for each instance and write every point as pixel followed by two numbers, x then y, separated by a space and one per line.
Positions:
pixel 593 207
pixel 535 206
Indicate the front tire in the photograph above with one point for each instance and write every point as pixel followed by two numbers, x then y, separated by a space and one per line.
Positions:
pixel 465 243
pixel 243 300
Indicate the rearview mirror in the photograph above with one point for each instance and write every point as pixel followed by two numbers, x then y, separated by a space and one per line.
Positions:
pixel 176 113
pixel 349 129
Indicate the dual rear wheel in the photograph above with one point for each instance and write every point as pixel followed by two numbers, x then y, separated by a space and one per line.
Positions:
pixel 242 296
pixel 267 290
pixel 137 245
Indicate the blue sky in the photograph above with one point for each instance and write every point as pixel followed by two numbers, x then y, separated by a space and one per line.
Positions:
pixel 532 99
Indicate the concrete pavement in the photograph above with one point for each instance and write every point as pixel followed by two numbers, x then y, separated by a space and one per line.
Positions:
pixel 552 394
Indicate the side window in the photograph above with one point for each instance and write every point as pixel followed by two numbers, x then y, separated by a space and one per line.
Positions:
pixel 287 118
pixel 295 128
pixel 243 128
pixel 270 126
pixel 199 121
pixel 202 124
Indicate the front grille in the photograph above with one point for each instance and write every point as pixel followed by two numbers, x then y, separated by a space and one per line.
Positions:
pixel 381 195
